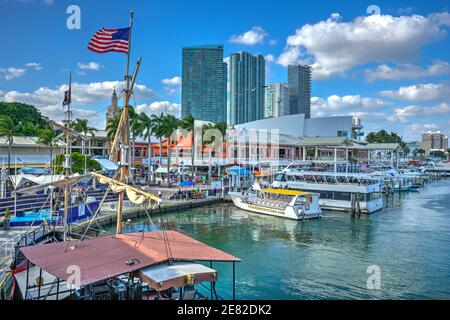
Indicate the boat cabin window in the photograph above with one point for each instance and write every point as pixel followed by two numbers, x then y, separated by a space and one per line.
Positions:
pixel 290 178
pixel 330 179
pixel 281 177
pixel 342 179
pixel 321 179
pixel 309 178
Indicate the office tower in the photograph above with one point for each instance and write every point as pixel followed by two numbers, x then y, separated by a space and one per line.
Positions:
pixel 203 88
pixel 246 83
pixel 299 82
pixel 276 100
pixel 434 141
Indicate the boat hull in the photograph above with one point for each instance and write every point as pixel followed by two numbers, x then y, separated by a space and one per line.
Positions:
pixel 287 213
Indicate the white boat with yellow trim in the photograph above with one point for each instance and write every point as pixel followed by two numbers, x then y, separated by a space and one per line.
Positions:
pixel 290 204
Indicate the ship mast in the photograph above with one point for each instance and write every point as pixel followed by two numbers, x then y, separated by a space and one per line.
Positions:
pixel 67 164
pixel 124 126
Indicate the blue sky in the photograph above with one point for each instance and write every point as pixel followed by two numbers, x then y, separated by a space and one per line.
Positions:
pixel 391 69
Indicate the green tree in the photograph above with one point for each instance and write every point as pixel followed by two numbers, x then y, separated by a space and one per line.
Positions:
pixel 23 113
pixel 78 161
pixel 188 124
pixel 9 129
pixel 111 127
pixel 383 136
pixel 48 137
pixel 30 129
pixel 170 124
pixel 147 126
pixel 158 131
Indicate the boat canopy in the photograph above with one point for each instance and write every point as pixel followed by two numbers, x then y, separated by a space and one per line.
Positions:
pixel 178 274
pixel 111 256
pixel 286 192
pixel 236 170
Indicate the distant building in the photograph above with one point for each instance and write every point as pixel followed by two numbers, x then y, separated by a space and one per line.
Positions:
pixel 203 88
pixel 246 85
pixel 113 109
pixel 434 141
pixel 299 82
pixel 276 102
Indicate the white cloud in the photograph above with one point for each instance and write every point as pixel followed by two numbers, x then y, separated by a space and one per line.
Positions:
pixel 49 100
pixel 269 58
pixel 421 92
pixel 407 71
pixel 89 66
pixel 333 47
pixel 405 113
pixel 175 81
pixel 12 72
pixel 34 65
pixel 335 105
pixel 160 106
pixel 250 38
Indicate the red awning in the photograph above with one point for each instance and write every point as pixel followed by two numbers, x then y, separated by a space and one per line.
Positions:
pixel 106 257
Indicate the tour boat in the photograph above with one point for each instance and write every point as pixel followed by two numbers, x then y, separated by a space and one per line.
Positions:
pixel 338 191
pixel 290 204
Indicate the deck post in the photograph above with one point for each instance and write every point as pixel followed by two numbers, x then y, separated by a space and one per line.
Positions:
pixel 234 280
pixel 211 283
pixel 57 290
pixel 26 285
pixel 40 279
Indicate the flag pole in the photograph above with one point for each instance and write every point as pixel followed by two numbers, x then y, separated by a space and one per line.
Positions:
pixel 124 152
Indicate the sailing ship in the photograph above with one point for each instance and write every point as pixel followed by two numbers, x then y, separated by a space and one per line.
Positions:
pixel 162 265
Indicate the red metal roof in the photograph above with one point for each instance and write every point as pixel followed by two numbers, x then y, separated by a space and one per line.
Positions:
pixel 105 257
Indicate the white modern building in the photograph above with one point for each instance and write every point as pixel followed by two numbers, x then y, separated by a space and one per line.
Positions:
pixel 297 126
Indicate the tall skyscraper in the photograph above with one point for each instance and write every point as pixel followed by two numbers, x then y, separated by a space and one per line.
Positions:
pixel 299 82
pixel 246 82
pixel 434 141
pixel 276 100
pixel 203 87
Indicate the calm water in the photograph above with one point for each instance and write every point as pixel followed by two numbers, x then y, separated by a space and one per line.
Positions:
pixel 327 259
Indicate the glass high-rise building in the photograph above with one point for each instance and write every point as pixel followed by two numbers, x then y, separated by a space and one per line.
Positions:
pixel 299 82
pixel 276 100
pixel 246 83
pixel 203 87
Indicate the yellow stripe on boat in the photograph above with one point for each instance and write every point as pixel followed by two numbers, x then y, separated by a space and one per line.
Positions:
pixel 286 192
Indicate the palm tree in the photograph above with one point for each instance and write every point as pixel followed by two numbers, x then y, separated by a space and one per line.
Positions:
pixel 48 137
pixel 157 124
pixel 136 128
pixel 147 132
pixel 9 129
pixel 111 127
pixel 30 129
pixel 188 123
pixel 170 125
pixel 81 126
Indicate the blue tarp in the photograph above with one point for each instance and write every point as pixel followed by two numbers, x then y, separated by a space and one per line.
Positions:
pixel 33 171
pixel 236 170
pixel 186 184
pixel 106 164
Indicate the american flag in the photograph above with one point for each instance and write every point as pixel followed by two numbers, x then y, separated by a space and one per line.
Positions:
pixel 106 40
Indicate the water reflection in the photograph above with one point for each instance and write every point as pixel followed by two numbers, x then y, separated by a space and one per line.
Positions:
pixel 328 258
